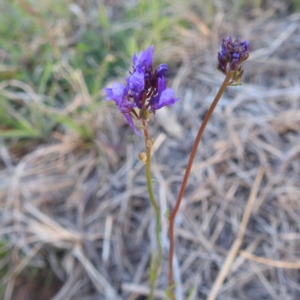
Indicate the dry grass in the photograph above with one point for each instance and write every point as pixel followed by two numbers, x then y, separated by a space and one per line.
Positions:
pixel 84 211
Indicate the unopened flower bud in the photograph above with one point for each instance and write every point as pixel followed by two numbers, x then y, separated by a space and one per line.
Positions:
pixel 143 157
pixel 232 54
pixel 162 70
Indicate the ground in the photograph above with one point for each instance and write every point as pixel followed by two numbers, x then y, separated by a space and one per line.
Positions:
pixel 75 216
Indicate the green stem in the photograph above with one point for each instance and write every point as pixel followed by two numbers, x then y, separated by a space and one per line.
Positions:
pixel 148 145
pixel 186 176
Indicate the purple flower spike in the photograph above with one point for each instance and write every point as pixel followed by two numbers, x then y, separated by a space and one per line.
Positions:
pixel 144 60
pixel 232 54
pixel 145 91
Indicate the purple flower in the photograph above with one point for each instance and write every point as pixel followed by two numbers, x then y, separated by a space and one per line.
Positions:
pixel 163 97
pixel 118 93
pixel 232 54
pixel 146 89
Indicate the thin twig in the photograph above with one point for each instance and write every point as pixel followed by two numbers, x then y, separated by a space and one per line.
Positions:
pixel 142 290
pixel 270 262
pixel 99 281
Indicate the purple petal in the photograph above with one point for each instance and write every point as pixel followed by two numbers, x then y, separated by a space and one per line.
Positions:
pixel 118 93
pixel 138 99
pixel 136 82
pixel 115 93
pixel 134 59
pixel 246 44
pixel 163 97
pixel 130 122
pixel 144 59
pixel 154 101
pixel 167 98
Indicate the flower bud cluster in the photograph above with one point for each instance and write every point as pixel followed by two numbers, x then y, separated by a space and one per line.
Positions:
pixel 232 55
pixel 145 89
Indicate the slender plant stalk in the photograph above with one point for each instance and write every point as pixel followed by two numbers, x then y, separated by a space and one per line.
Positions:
pixel 148 145
pixel 186 175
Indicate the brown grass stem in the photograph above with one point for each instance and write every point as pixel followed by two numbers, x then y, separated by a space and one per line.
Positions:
pixel 186 176
pixel 271 262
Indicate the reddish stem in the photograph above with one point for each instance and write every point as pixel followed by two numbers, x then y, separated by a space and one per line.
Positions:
pixel 186 175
